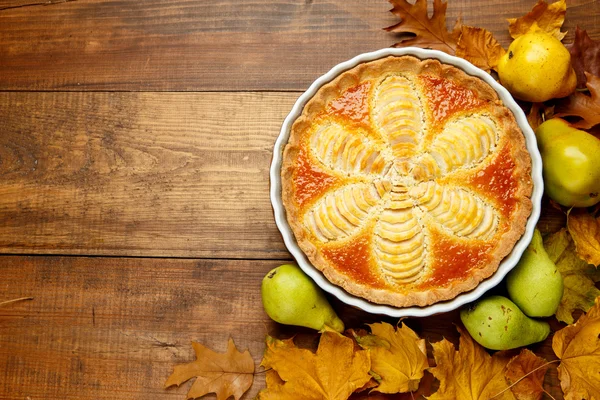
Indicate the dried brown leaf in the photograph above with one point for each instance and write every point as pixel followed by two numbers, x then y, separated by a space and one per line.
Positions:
pixel 583 106
pixel 225 374
pixel 548 17
pixel 585 56
pixel 585 231
pixel 430 32
pixel 478 46
pixel 578 347
pixel 538 113
pixel 530 387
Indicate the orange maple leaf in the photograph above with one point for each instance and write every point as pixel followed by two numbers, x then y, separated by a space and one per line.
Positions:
pixel 430 32
pixel 225 374
pixel 578 347
pixel 583 106
pixel 333 373
pixel 548 17
pixel 469 373
pixel 528 370
pixel 478 46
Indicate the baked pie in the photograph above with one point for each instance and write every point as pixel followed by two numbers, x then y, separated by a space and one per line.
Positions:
pixel 406 181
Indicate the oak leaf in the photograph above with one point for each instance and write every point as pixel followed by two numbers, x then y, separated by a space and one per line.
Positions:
pixel 333 373
pixel 548 17
pixel 469 373
pixel 585 231
pixel 398 357
pixel 585 56
pixel 430 32
pixel 583 106
pixel 530 387
pixel 578 347
pixel 478 46
pixel 579 277
pixel 225 374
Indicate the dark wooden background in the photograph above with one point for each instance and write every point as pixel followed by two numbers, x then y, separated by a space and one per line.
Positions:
pixel 135 142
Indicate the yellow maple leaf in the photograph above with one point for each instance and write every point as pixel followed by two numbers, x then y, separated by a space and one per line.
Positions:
pixel 530 387
pixel 398 357
pixel 585 230
pixel 469 373
pixel 333 373
pixel 478 46
pixel 579 277
pixel 547 17
pixel 225 374
pixel 578 347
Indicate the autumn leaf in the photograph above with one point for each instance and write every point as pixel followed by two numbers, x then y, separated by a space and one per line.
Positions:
pixel 538 114
pixel 583 106
pixel 478 46
pixel 585 231
pixel 585 56
pixel 469 373
pixel 530 387
pixel 578 276
pixel 398 357
pixel 225 374
pixel 333 373
pixel 430 32
pixel 578 347
pixel 548 17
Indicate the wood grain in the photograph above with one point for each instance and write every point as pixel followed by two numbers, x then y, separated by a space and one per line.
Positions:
pixel 107 328
pixel 212 45
pixel 143 174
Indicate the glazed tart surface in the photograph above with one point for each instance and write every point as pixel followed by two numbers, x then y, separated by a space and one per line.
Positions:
pixel 406 181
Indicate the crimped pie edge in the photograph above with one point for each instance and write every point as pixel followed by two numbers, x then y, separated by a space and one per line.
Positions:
pixel 407 63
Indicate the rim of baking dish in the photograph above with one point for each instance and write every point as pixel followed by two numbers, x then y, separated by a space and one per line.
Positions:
pixel 506 264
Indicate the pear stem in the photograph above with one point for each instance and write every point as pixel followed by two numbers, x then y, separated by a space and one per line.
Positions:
pixel 3 303
pixel 525 376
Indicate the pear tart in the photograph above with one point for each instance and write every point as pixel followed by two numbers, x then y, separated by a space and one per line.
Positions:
pixel 406 181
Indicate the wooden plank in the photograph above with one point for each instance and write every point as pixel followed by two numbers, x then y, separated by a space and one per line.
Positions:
pixel 142 174
pixel 104 328
pixel 201 45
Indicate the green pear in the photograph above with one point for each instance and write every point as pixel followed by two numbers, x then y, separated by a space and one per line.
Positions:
pixel 497 323
pixel 290 297
pixel 535 284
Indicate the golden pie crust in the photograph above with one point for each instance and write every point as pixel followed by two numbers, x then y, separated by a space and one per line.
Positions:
pixel 406 181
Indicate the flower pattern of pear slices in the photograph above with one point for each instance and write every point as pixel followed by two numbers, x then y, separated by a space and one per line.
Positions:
pixel 395 182
pixel 397 113
pixel 399 239
pixel 463 143
pixel 348 152
pixel 456 209
pixel 342 212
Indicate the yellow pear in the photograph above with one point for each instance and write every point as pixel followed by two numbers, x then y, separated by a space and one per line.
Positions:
pixel 537 67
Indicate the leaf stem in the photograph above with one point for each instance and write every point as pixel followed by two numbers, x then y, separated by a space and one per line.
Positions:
pixel 264 371
pixel 3 303
pixel 525 376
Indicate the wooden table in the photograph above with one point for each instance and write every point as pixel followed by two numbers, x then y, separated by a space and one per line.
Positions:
pixel 135 142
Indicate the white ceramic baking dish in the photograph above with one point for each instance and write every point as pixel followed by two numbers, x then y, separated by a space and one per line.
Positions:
pixel 505 266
